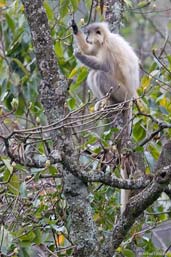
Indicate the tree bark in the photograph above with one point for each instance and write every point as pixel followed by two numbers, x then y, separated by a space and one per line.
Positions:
pixel 53 91
pixel 113 14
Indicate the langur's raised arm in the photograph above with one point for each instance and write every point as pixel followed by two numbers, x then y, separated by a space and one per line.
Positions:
pixel 80 38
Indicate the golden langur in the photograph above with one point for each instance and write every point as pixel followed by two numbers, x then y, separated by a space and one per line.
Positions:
pixel 112 62
pixel 113 65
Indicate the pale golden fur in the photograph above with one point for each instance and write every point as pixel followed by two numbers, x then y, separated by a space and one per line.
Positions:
pixel 113 64
pixel 114 56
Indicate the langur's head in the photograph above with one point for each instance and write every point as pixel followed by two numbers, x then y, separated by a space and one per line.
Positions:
pixel 97 33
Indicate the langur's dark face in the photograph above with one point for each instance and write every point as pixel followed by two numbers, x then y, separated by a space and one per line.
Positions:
pixel 95 35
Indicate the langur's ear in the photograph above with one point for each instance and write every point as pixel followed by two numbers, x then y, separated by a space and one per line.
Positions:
pixel 74 27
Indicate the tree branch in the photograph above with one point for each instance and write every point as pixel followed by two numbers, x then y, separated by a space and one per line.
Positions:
pixel 109 179
pixel 144 199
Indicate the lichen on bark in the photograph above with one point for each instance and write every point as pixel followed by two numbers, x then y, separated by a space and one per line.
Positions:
pixel 53 91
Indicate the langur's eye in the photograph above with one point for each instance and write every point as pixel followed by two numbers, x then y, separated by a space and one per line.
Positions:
pixel 98 32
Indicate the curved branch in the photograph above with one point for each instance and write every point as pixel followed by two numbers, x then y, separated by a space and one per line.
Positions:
pixel 144 199
pixel 110 179
pixel 138 204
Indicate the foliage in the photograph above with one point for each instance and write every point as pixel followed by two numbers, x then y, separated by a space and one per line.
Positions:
pixel 33 208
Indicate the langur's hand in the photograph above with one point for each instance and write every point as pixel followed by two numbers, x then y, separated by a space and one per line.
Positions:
pixel 74 27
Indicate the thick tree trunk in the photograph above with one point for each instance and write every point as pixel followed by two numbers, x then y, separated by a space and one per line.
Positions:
pixel 53 89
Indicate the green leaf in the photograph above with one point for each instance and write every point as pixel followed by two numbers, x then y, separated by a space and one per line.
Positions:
pixel 128 2
pixel 15 43
pixel 150 160
pixel 28 237
pixel 143 4
pixel 73 73
pixel 8 100
pixel 4 95
pixel 71 103
pixel 10 22
pixel 154 151
pixel 21 66
pixel 128 253
pixel 145 81
pixel 49 11
pixel 21 105
pixel 109 133
pixel 6 176
pixel 97 150
pixel 139 149
pixel 75 4
pixel 169 59
pixel 153 67
pixel 64 4
pixel 92 139
pixel 38 236
pixel 23 190
pixel 59 49
pixel 7 163
pixel 82 75
pixel 52 170
pixel 139 132
pixel 5 239
pixel 14 184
